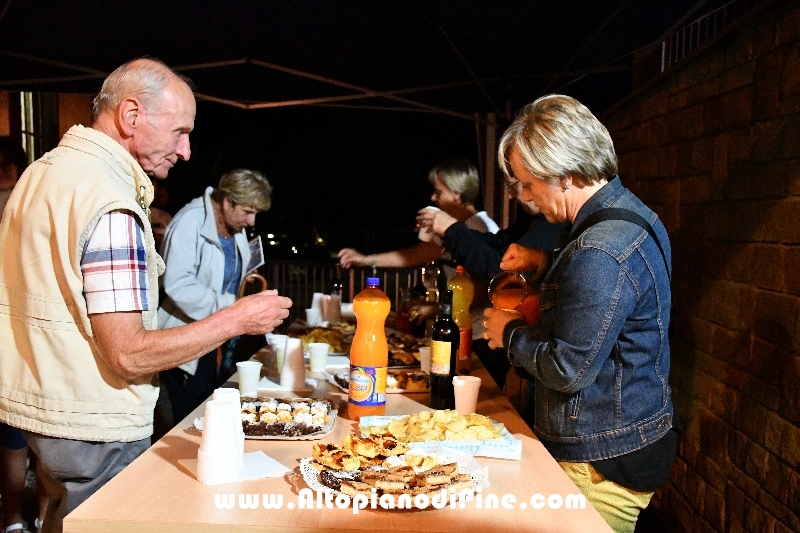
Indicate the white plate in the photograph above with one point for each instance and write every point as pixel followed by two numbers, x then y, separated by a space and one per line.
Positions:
pixel 466 465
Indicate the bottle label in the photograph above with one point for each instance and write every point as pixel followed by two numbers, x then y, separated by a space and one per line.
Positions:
pixel 367 385
pixel 440 357
pixel 465 348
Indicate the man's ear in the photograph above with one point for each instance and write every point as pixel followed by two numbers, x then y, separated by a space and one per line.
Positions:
pixel 130 115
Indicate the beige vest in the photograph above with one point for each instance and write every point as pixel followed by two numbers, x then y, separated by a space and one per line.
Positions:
pixel 53 378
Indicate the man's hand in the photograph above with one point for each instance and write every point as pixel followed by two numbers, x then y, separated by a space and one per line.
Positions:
pixel 495 324
pixel 349 257
pixel 521 258
pixel 262 312
pixel 131 351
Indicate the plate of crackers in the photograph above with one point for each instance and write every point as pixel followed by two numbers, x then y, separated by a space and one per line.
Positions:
pixel 381 465
pixel 472 434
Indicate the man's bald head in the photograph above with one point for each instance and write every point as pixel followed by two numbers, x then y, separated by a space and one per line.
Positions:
pixel 144 79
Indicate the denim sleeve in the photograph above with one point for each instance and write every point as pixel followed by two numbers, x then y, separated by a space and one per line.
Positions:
pixel 593 298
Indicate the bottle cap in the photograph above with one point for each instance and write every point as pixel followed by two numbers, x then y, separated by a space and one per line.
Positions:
pixel 460 270
pixel 373 281
pixel 447 297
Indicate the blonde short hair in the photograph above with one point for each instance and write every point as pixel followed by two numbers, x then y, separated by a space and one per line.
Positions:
pixel 245 187
pixel 557 136
pixel 458 175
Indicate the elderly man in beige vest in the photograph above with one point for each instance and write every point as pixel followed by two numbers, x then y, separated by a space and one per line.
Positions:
pixel 79 288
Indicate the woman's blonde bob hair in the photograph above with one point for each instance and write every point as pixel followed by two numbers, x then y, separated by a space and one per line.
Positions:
pixel 245 187
pixel 558 136
pixel 460 176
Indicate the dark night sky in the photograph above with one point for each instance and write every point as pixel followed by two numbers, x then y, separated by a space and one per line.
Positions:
pixel 341 171
pixel 337 170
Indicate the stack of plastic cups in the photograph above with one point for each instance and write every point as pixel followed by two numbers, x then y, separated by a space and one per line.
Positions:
pixel 293 373
pixel 218 456
pixel 232 395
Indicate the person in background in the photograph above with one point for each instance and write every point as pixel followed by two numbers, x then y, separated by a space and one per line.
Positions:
pixel 206 254
pixel 455 190
pixel 13 448
pixel 78 374
pixel 600 353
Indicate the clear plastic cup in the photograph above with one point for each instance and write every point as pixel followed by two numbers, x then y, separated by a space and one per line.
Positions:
pixel 318 355
pixel 278 343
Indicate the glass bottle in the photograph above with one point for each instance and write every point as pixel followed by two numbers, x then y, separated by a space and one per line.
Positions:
pixel 445 339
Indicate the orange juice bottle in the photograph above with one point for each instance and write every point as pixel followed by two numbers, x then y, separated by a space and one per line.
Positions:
pixel 369 353
pixel 463 292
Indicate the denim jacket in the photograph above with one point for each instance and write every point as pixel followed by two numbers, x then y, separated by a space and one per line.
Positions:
pixel 600 353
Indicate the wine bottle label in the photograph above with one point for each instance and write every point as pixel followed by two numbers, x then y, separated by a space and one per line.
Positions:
pixel 465 348
pixel 367 385
pixel 440 357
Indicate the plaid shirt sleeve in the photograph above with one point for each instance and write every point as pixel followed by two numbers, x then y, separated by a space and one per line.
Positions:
pixel 114 265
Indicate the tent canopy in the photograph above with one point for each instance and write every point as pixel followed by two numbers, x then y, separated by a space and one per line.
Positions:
pixel 453 57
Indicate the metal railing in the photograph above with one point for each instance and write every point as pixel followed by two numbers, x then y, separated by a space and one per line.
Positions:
pixel 299 280
pixel 692 36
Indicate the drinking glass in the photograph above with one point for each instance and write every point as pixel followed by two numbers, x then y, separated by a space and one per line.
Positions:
pixel 507 290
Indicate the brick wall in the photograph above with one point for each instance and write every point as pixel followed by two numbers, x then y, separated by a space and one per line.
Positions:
pixel 714 148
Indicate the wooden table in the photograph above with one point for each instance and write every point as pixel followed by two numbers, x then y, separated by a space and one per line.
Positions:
pixel 156 494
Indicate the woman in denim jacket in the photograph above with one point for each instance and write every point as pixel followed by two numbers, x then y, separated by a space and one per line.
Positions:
pixel 600 353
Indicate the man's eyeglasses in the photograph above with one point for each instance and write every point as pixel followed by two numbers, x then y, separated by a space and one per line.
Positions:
pixel 517 186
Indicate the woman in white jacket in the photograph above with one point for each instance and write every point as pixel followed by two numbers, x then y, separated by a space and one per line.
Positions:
pixel 206 251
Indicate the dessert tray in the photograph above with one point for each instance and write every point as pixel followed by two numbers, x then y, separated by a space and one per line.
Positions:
pixel 285 418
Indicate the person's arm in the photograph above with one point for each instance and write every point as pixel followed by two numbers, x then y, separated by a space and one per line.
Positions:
pixel 195 298
pixel 417 255
pixel 588 317
pixel 479 253
pixel 132 351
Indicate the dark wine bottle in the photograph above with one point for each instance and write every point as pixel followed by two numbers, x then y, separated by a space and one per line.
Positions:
pixel 445 339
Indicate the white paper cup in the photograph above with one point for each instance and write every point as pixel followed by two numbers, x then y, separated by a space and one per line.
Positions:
pixel 466 390
pixel 426 234
pixel 313 316
pixel 278 343
pixel 249 373
pixel 293 374
pixel 318 355
pixel 425 359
